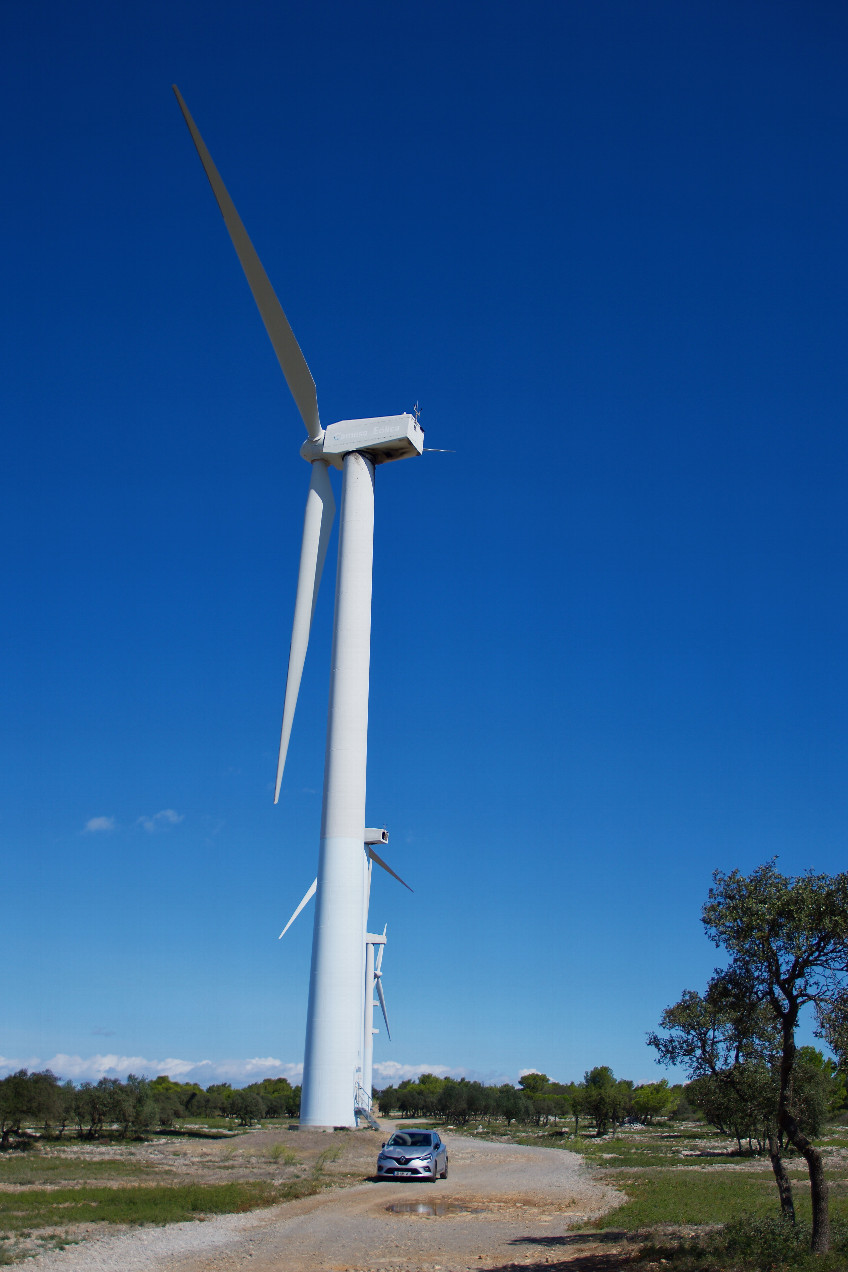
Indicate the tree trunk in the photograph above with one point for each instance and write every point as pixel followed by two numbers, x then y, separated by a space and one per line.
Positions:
pixel 819 1198
pixel 784 1186
pixel 818 1184
pixel 786 1121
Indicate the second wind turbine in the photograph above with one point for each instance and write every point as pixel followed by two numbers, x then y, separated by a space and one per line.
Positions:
pixel 334 1017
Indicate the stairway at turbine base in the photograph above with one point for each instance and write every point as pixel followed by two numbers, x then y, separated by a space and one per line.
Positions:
pixel 365 1115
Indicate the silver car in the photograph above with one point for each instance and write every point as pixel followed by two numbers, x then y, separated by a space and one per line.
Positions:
pixel 413 1155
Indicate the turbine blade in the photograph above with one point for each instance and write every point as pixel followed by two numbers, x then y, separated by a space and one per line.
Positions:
pixel 289 355
pixel 382 998
pixel 317 523
pixel 378 961
pixel 309 895
pixel 381 862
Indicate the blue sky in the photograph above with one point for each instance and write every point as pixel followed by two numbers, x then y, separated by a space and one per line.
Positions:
pixel 604 246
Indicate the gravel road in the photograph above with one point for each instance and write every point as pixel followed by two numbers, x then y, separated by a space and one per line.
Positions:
pixel 498 1204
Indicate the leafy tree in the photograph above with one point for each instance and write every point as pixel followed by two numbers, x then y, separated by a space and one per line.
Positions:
pixel 726 1040
pixel 25 1099
pixel 650 1100
pixel 576 1096
pixel 452 1101
pixel 534 1083
pixel 386 1100
pixel 741 1102
pixel 278 1096
pixel 787 939
pixel 138 1109
pixel 168 1105
pixel 833 1021
pixel 605 1099
pixel 65 1114
pixel 219 1095
pixel 247 1106
pixel 94 1106
pixel 513 1105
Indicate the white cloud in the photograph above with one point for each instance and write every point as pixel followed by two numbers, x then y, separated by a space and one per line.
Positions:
pixel 237 1071
pixel 391 1071
pixel 165 817
pixel 522 1073
pixel 100 823
pixel 9 1064
pixel 114 1065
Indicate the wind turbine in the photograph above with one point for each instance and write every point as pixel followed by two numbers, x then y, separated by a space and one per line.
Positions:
pixel 372 980
pixel 374 947
pixel 334 1015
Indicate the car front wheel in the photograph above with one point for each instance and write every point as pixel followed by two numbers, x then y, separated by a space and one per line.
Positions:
pixel 445 1171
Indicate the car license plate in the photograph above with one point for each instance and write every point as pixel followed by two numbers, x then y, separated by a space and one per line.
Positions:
pixel 403 1172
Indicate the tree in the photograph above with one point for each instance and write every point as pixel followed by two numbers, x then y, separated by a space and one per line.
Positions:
pixel 606 1100
pixel 452 1101
pixel 386 1100
pixel 534 1083
pixel 219 1095
pixel 278 1096
pixel 788 944
pixel 726 1041
pixel 247 1106
pixel 650 1100
pixel 741 1102
pixel 513 1105
pixel 576 1096
pixel 29 1098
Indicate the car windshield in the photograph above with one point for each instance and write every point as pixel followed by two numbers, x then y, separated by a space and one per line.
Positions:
pixel 410 1139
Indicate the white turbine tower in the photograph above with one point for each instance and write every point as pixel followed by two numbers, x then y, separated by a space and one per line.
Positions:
pixel 372 980
pixel 334 1018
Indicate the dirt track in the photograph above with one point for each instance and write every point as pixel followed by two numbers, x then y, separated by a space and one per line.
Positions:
pixel 502 1205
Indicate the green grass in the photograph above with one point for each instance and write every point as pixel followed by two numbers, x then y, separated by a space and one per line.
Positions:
pixel 684 1197
pixel 34 1168
pixel 689 1197
pixel 610 1153
pixel 134 1205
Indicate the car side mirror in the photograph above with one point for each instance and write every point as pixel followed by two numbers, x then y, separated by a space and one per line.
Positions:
pixel 383 1145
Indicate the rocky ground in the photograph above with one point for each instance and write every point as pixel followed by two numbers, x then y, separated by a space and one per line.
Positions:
pixel 503 1206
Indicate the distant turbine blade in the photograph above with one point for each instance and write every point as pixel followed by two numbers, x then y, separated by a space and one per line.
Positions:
pixel 379 986
pixel 378 962
pixel 381 862
pixel 289 355
pixel 309 895
pixel 317 524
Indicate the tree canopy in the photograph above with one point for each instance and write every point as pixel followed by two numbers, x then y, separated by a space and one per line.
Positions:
pixel 787 941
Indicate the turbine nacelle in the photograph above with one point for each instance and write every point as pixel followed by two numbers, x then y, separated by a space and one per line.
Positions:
pixel 382 438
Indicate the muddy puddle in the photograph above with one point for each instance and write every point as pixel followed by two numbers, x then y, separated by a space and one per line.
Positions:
pixel 434 1209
